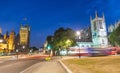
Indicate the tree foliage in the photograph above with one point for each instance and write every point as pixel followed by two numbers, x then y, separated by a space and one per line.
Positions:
pixel 33 48
pixel 114 37
pixel 63 38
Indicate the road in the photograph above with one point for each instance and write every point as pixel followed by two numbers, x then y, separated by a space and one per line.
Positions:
pixel 17 66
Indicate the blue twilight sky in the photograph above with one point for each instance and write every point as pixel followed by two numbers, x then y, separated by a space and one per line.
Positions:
pixel 45 16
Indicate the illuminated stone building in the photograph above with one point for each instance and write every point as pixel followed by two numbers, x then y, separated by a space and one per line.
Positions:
pixel 112 27
pixel 96 36
pixel 3 42
pixel 17 42
pixel 24 37
pixel 11 41
pixel 7 41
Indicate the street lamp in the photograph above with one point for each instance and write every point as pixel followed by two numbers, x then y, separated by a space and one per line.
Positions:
pixel 49 49
pixel 78 34
pixel 23 49
pixel 1 40
pixel 78 37
pixel 17 53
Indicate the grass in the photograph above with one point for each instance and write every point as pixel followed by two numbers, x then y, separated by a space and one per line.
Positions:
pixel 107 64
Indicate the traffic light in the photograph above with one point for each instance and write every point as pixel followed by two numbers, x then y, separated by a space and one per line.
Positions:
pixel 48 47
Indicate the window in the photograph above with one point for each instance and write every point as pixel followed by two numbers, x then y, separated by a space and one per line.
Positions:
pixel 87 45
pixel 102 41
pixel 100 24
pixel 82 45
pixel 95 26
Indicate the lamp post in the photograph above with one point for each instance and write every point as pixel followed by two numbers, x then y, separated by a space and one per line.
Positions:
pixel 23 49
pixel 78 37
pixel 17 53
pixel 49 49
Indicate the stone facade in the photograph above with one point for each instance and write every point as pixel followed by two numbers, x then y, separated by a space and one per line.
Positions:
pixel 11 42
pixel 7 42
pixel 24 36
pixel 95 35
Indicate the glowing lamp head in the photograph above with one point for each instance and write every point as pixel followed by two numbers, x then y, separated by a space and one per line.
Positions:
pixel 1 40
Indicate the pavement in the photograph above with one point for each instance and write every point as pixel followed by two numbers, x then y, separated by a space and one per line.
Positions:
pixel 53 66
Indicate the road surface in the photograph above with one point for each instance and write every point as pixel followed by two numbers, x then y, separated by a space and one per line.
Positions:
pixel 17 66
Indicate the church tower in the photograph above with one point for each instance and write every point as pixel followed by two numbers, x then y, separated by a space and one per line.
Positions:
pixel 99 32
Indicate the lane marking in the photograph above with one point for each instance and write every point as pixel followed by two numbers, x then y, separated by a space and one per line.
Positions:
pixel 28 68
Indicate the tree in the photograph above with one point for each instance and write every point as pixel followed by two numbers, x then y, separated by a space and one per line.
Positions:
pixel 114 37
pixel 34 48
pixel 61 37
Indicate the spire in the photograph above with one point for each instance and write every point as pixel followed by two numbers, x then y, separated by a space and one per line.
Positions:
pixel 103 16
pixel 0 31
pixel 90 18
pixel 7 33
pixel 96 14
pixel 12 31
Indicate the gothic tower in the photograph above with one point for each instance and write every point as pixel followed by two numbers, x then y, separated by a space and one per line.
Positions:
pixel 0 31
pixel 6 36
pixel 11 41
pixel 24 36
pixel 99 32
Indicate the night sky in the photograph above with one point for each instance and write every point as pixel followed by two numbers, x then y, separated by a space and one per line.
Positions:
pixel 46 16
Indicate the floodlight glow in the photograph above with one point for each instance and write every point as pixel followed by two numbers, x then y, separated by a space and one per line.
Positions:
pixel 1 40
pixel 78 32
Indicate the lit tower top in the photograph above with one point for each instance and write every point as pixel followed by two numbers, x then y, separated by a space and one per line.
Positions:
pixel 96 14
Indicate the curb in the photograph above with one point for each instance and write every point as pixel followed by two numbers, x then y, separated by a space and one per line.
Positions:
pixel 5 57
pixel 65 67
pixel 27 69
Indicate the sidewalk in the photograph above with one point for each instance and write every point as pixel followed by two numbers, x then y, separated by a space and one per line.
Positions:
pixel 53 66
pixel 5 57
